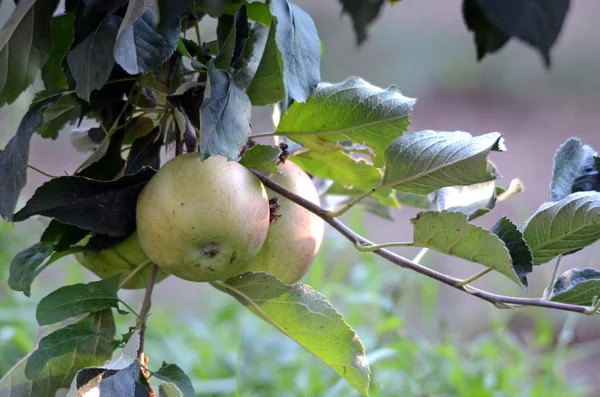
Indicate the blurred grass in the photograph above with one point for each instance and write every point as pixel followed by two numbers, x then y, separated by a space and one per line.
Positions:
pixel 229 352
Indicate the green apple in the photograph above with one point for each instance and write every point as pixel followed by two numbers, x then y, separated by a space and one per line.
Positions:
pixel 202 220
pixel 122 259
pixel 295 238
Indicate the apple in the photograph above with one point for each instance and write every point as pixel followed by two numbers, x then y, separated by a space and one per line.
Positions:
pixel 202 220
pixel 123 258
pixel 295 238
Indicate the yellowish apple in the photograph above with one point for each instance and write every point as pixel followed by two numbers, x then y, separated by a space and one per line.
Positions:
pixel 202 220
pixel 122 259
pixel 295 238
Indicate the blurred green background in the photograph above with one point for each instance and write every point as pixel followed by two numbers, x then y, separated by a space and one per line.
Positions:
pixel 422 339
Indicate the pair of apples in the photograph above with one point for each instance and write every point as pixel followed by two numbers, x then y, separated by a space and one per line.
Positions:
pixel 210 220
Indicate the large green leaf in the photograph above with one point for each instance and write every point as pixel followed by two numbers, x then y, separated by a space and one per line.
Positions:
pixel 60 371
pixel 425 161
pixel 262 158
pixel 60 342
pixel 304 315
pixel 352 110
pixel 57 115
pixel 25 46
pixel 225 117
pixel 300 48
pixel 577 287
pixel 92 60
pixel 451 233
pixel 172 373
pixel 15 156
pixel 74 300
pixel 559 228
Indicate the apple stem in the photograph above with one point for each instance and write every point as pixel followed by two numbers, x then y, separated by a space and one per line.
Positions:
pixel 145 310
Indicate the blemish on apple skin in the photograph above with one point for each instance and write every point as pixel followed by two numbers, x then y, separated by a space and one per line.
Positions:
pixel 233 256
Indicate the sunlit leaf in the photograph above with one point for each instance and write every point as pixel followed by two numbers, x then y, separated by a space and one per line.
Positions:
pixel 559 228
pixel 304 315
pixel 262 158
pixel 451 233
pixel 425 161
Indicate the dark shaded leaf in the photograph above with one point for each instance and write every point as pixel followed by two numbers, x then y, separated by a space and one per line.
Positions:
pixel 145 152
pixel 60 371
pixel 25 46
pixel 225 116
pixel 522 259
pixel 106 162
pixel 488 39
pixel 535 22
pixel 74 300
pixel 305 316
pixel 363 13
pixel 171 11
pixel 267 84
pixel 77 201
pixel 140 48
pixel 574 170
pixel 62 236
pixel 92 61
pixel 300 47
pixel 246 65
pixel 577 287
pixel 122 382
pixel 226 33
pixel 172 373
pixel 62 33
pixel 58 343
pixel 14 158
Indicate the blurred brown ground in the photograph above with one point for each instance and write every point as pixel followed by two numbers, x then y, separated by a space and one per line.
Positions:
pixel 423 47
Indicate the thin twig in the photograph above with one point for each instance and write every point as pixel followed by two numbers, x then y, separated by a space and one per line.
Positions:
pixel 146 309
pixel 495 299
pixel 548 290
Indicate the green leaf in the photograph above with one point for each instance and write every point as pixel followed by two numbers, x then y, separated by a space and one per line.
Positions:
pixel 74 300
pixel 60 371
pixel 246 65
pixel 412 200
pixel 300 48
pixel 62 33
pixel 425 161
pixel 522 259
pixel 304 315
pixel 473 200
pixel 140 48
pixel 226 36
pixel 262 158
pixel 57 115
pixel 488 38
pixel 92 61
pixel 352 110
pixel 363 13
pixel 574 170
pixel 451 233
pixel 559 228
pixel 135 10
pixel 172 373
pixel 58 343
pixel 27 264
pixel 265 78
pixel 74 200
pixel 225 117
pixel 168 389
pixel 14 158
pixel 577 287
pixel 25 46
